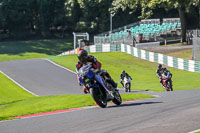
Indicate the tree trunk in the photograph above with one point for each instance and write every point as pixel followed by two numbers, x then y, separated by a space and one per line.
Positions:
pixel 199 12
pixel 182 15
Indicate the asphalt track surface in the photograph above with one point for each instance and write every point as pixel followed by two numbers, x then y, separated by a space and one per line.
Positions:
pixel 41 77
pixel 170 112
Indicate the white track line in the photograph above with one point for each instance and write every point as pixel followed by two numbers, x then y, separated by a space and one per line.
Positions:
pixel 71 70
pixel 66 68
pixel 60 66
pixel 18 83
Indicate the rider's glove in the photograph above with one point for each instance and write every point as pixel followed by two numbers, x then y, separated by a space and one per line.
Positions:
pixel 97 70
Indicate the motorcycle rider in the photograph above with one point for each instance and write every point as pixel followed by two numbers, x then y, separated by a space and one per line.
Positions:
pixel 167 73
pixel 84 59
pixel 159 72
pixel 122 76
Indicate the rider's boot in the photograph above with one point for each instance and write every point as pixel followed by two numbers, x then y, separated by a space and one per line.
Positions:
pixel 162 86
pixel 109 79
pixel 122 84
pixel 113 84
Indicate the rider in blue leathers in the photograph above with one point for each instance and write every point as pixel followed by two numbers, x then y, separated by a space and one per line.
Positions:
pixel 84 59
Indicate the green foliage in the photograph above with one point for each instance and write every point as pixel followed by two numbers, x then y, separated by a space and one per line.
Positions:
pixel 21 19
pixel 95 15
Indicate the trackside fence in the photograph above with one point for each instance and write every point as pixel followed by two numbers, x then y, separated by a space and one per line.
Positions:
pixel 179 63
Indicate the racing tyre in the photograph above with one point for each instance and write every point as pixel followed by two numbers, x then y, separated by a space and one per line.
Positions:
pixel 117 98
pixel 99 97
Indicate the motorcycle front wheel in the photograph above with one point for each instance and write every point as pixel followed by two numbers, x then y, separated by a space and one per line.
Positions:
pixel 99 97
pixel 170 86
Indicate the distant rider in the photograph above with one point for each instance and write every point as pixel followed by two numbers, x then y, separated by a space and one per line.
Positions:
pixel 168 74
pixel 85 59
pixel 159 72
pixel 122 76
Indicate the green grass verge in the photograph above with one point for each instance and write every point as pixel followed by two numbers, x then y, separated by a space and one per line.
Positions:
pixel 142 72
pixel 185 54
pixel 20 50
pixel 51 103
pixel 10 92
pixel 173 44
pixel 14 101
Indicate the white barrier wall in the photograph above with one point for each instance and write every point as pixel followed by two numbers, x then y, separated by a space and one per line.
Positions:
pixel 188 65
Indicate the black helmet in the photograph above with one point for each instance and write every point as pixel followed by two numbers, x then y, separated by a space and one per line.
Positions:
pixel 123 72
pixel 164 69
pixel 82 56
pixel 159 66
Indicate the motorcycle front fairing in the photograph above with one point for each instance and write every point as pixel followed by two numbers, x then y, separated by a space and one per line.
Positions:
pixel 100 80
pixel 86 75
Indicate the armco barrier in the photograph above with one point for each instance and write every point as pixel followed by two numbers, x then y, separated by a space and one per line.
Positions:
pixel 104 48
pixel 188 65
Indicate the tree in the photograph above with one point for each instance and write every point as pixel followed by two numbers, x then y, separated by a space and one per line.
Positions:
pixel 17 16
pixel 197 3
pixel 23 18
pixel 95 15
pixel 73 14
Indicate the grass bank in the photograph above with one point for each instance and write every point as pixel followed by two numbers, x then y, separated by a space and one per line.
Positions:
pixel 14 101
pixel 52 103
pixel 10 92
pixel 20 50
pixel 142 72
pixel 185 54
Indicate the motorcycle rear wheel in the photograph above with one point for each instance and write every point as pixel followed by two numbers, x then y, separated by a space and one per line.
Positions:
pixel 128 87
pixel 117 98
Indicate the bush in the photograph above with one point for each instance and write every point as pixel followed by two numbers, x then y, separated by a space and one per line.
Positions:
pixel 4 37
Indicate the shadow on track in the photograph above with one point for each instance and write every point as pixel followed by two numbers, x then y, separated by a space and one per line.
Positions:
pixel 132 104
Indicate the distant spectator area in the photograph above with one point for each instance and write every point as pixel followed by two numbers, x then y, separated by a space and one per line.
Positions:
pixel 146 30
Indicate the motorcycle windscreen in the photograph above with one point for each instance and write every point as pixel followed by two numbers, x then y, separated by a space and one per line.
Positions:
pixel 90 74
pixel 99 79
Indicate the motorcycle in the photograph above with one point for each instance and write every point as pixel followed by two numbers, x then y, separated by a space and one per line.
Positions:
pixel 127 84
pixel 100 90
pixel 167 85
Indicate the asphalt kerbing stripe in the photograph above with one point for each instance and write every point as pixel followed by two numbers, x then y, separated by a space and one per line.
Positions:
pixel 18 83
pixel 53 112
pixel 69 110
pixel 59 65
